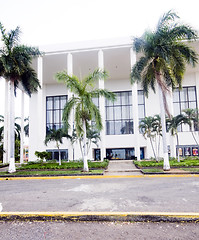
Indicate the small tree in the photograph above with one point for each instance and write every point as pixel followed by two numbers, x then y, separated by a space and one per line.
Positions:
pixel 147 129
pixel 56 136
pixel 85 110
pixel 42 155
pixel 191 118
pixel 172 125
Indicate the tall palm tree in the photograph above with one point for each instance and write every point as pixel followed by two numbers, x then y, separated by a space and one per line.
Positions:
pixel 84 108
pixel 57 136
pixel 15 67
pixel 172 125
pixel 191 118
pixel 164 56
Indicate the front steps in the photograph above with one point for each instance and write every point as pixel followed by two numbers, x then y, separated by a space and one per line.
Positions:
pixel 122 167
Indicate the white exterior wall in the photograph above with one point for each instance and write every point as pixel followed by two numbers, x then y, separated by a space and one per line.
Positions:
pixel 51 88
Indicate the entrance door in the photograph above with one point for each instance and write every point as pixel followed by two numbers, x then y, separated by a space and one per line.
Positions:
pixel 97 154
pixel 120 153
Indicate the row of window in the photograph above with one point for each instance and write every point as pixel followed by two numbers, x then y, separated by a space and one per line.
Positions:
pixel 125 153
pixel 111 154
pixel 119 114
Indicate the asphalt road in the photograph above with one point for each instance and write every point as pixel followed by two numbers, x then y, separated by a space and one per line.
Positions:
pixel 149 194
pixel 97 231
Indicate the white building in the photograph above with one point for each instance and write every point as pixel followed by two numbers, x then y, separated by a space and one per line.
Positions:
pixel 120 135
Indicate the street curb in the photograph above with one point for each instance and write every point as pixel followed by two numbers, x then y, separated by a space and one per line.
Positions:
pixel 99 177
pixel 101 216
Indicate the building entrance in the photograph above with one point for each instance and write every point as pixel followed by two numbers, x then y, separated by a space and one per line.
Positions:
pixel 120 153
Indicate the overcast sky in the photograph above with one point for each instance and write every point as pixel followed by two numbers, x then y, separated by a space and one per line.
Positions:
pixel 58 21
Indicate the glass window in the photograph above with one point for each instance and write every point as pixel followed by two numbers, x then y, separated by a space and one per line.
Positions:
pixel 192 94
pixel 176 95
pixel 183 95
pixel 183 99
pixel 118 113
pixel 55 154
pixel 120 153
pixel 54 111
pixel 141 105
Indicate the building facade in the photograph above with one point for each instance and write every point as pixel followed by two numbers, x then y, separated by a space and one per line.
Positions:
pixel 120 137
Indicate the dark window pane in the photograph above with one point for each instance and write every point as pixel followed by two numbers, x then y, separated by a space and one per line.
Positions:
pixel 56 155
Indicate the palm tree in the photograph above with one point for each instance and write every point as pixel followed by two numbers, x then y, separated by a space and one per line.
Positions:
pixel 147 129
pixel 172 125
pixel 57 136
pixel 84 108
pixel 15 67
pixel 164 56
pixel 191 118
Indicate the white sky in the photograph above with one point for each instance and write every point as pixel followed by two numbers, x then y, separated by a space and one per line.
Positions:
pixel 58 21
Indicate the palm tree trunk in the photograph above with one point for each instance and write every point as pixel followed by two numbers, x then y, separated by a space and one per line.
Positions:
pixel 85 160
pixel 5 130
pixel 158 147
pixel 164 138
pixel 178 147
pixel 12 130
pixel 194 137
pixel 153 148
pixel 59 153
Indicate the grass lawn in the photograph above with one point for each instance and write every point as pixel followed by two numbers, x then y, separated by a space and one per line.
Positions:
pixel 50 173
pixel 189 162
pixel 65 165
pixel 190 169
pixel 53 168
pixel 153 170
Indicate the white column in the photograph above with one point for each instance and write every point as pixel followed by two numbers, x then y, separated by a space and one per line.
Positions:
pixel 71 152
pixel 135 109
pixel 11 124
pixel 5 132
pixel 41 128
pixel 102 105
pixel 22 127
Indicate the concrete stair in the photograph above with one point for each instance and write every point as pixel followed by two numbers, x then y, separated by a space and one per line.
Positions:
pixel 122 167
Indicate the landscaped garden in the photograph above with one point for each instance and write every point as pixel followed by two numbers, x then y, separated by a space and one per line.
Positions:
pixel 52 168
pixel 189 164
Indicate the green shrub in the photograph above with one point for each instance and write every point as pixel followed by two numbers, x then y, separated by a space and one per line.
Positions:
pixel 42 155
